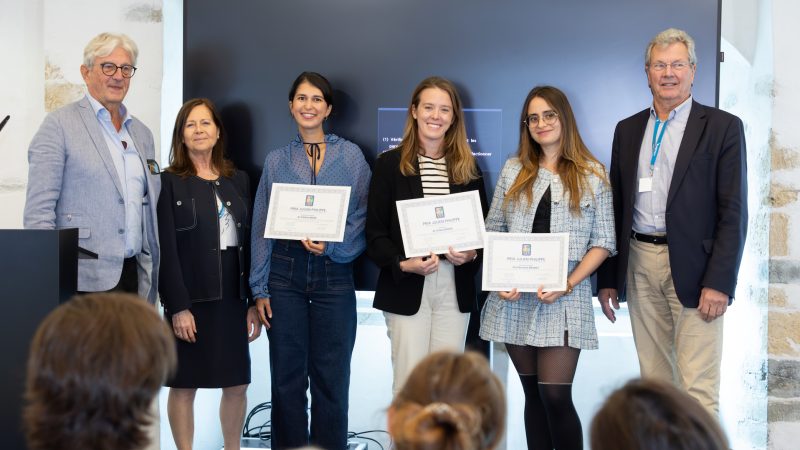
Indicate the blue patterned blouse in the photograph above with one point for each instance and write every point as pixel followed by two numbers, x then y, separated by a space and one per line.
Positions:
pixel 344 165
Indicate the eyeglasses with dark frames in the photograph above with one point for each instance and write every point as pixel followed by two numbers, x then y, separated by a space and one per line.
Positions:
pixel 548 117
pixel 110 69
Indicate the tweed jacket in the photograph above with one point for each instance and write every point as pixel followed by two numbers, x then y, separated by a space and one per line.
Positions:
pixel 517 216
pixel 528 321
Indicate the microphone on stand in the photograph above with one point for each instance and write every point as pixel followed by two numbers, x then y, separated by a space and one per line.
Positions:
pixel 3 123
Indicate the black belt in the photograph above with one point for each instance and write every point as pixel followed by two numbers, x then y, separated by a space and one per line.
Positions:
pixel 650 239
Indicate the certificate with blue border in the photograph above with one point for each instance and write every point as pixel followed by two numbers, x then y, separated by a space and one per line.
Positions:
pixel 433 224
pixel 525 261
pixel 305 211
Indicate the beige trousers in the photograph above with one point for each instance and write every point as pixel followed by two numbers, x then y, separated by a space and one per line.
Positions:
pixel 673 342
pixel 438 325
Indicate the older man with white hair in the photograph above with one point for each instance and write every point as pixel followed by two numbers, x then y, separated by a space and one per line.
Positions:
pixel 92 167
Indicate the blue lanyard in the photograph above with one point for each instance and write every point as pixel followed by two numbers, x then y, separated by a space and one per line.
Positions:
pixel 656 142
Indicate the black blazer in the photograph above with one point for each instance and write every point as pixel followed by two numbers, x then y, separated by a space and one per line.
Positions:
pixel 188 229
pixel 399 292
pixel 706 213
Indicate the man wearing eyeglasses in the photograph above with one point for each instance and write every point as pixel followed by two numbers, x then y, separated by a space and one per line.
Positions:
pixel 88 169
pixel 679 181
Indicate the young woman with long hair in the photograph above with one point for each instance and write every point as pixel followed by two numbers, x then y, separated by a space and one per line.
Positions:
pixel 426 301
pixel 553 184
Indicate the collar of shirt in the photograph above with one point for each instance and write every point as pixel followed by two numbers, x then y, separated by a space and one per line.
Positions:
pixel 329 139
pixel 299 160
pixel 104 115
pixel 680 110
pixel 649 212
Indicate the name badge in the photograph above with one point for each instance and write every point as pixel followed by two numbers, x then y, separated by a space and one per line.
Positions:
pixel 152 165
pixel 646 184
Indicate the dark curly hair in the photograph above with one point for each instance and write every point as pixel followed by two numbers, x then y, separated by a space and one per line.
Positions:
pixel 95 366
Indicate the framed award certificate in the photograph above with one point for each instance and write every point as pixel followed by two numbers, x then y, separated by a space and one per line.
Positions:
pixel 304 211
pixel 525 261
pixel 433 224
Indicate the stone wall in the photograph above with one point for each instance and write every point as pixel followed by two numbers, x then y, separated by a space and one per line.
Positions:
pixel 784 246
pixel 745 81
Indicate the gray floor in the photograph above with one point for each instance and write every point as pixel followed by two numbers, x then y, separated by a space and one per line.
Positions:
pixel 599 372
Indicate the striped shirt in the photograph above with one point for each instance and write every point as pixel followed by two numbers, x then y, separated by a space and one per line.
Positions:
pixel 433 173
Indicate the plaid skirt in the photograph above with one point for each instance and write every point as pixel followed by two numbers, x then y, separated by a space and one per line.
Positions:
pixel 528 321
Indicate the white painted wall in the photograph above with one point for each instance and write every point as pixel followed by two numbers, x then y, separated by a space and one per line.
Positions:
pixel 786 109
pixel 22 97
pixel 34 33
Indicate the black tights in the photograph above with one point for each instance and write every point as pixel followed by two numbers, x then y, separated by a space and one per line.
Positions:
pixel 546 373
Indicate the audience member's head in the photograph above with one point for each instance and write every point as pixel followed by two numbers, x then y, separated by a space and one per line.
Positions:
pixel 654 415
pixel 95 366
pixel 451 401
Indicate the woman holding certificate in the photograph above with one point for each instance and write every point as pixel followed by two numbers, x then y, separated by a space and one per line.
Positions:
pixel 304 289
pixel 427 300
pixel 203 220
pixel 552 185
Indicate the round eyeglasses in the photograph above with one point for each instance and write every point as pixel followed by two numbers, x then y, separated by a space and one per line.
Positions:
pixel 548 118
pixel 110 69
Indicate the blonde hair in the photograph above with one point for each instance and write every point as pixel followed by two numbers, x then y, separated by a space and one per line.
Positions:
pixel 105 43
pixel 576 162
pixel 451 401
pixel 461 165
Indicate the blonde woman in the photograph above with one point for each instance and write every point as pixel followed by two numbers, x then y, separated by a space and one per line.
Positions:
pixel 427 300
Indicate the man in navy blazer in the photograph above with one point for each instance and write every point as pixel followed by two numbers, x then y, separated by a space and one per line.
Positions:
pixel 88 169
pixel 679 180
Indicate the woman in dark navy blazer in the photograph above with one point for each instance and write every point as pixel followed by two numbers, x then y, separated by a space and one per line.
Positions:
pixel 203 224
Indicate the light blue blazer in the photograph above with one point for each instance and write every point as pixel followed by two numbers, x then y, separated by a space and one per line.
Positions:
pixel 73 183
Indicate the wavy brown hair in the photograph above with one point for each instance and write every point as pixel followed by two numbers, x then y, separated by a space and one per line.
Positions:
pixel 575 163
pixel 95 366
pixel 451 401
pixel 179 162
pixel 461 165
pixel 654 415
